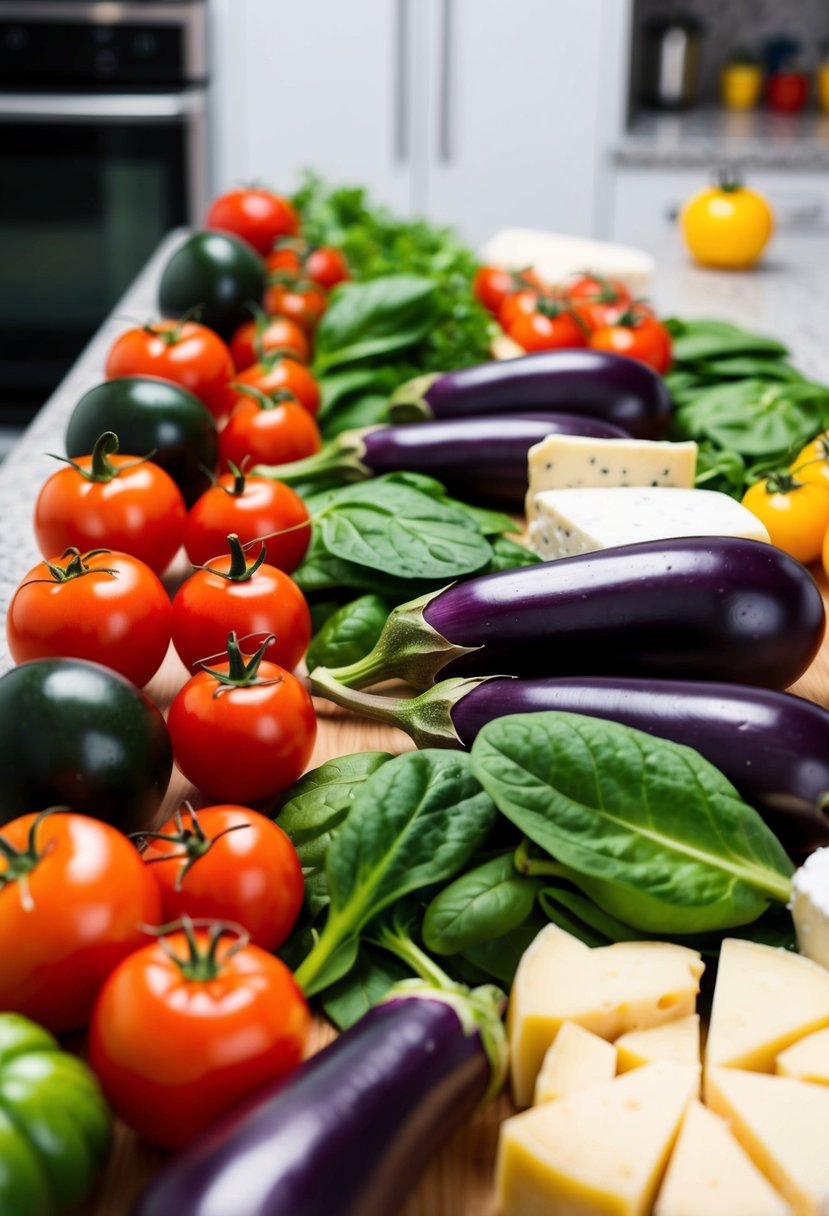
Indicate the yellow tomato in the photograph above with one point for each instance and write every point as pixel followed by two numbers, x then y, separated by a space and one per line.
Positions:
pixel 825 554
pixel 812 464
pixel 795 513
pixel 727 226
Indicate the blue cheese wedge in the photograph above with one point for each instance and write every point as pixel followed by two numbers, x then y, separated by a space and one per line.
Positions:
pixel 569 522
pixel 810 907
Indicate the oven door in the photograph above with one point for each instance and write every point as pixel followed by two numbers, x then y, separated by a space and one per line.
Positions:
pixel 89 184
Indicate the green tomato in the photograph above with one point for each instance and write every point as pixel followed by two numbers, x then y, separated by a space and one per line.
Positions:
pixel 54 1123
pixel 214 277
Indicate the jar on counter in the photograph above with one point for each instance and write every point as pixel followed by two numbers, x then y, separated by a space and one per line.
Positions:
pixel 741 82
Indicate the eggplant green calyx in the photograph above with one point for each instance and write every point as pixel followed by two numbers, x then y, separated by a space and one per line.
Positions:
pixel 408 402
pixel 342 458
pixel 101 468
pixel 408 648
pixel 193 842
pixel 241 672
pixel 201 963
pixel 240 570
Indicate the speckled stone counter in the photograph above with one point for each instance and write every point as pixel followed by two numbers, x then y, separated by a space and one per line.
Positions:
pixel 700 138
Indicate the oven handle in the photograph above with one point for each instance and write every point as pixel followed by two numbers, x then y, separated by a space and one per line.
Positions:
pixel 67 108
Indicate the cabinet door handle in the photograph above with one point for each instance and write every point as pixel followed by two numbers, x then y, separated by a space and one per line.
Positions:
pixel 445 83
pixel 401 82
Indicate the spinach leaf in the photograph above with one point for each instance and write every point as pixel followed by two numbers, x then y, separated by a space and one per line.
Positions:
pixel 486 902
pixel 753 417
pixel 415 822
pixel 712 339
pixel 508 554
pixel 489 523
pixel 651 831
pixel 366 983
pixel 377 318
pixel 355 397
pixel 319 801
pixel 350 633
pixel 499 957
pixel 595 926
pixel 720 469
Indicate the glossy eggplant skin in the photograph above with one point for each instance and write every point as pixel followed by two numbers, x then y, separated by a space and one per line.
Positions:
pixel 706 608
pixel 347 1134
pixel 619 390
pixel 484 457
pixel 774 747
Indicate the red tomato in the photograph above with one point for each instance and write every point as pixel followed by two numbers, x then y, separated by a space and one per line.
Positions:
pixel 247 739
pixel 115 502
pixel 268 432
pixel 787 91
pixel 301 300
pixel 255 600
pixel 258 216
pixel 253 508
pixel 492 284
pixel 286 257
pixel 182 351
pixel 549 328
pixel 639 337
pixel 283 374
pixel 228 863
pixel 177 1038
pixel 253 339
pixel 106 607
pixel 70 914
pixel 597 301
pixel 326 266
pixel 516 304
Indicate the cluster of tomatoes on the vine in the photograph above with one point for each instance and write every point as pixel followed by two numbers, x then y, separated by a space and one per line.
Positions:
pixel 586 311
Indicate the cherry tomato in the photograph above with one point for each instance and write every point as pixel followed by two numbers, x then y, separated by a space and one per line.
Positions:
pixel 301 300
pixel 812 463
pixel 118 502
pixel 326 266
pixel 254 339
pixel 106 607
pixel 252 507
pixel 182 351
pixel 286 257
pixel 825 553
pixel 639 336
pixel 492 284
pixel 549 327
pixel 228 863
pixel 258 216
pixel 183 1031
pixel 69 914
pixel 244 730
pixel 254 599
pixel 268 431
pixel 795 513
pixel 597 301
pixel 283 374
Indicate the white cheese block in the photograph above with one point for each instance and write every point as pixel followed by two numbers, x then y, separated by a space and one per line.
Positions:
pixel 572 462
pixel 710 1175
pixel 806 1060
pixel 600 1152
pixel 810 907
pixel 677 1040
pixel 782 1126
pixel 569 522
pixel 765 999
pixel 576 1060
pixel 556 256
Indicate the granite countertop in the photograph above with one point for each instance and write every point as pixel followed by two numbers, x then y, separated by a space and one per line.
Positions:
pixel 698 138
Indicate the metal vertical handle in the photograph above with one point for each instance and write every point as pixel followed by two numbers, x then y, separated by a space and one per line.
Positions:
pixel 445 108
pixel 401 82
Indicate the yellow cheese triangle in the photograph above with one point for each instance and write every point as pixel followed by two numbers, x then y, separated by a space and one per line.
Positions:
pixel 576 1060
pixel 782 1125
pixel 598 1152
pixel 710 1175
pixel 677 1040
pixel 764 1000
pixel 807 1060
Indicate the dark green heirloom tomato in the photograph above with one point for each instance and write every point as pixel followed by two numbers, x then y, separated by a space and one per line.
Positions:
pixel 150 416
pixel 75 734
pixel 54 1123
pixel 215 278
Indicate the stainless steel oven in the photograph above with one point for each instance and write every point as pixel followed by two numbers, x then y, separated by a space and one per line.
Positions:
pixel 102 151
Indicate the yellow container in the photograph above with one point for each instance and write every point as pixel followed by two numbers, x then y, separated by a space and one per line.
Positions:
pixel 822 83
pixel 741 85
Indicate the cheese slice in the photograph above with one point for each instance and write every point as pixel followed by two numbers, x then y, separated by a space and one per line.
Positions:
pixel 677 1040
pixel 810 906
pixel 765 999
pixel 570 462
pixel 782 1126
pixel 556 256
pixel 568 522
pixel 608 990
pixel 806 1060
pixel 600 1152
pixel 710 1175
pixel 576 1060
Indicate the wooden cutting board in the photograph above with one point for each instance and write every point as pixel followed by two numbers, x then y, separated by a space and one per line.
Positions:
pixel 459 1180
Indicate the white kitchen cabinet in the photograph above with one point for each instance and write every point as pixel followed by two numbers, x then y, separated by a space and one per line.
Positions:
pixel 477 113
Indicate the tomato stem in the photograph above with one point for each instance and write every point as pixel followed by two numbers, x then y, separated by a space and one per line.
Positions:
pixel 193 840
pixel 21 862
pixel 242 673
pixel 239 571
pixel 101 468
pixel 200 965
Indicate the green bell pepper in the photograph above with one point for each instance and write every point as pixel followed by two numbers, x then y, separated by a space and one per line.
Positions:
pixel 54 1123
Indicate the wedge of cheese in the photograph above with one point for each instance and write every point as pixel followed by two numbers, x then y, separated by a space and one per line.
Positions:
pixel 557 255
pixel 810 906
pixel 806 1060
pixel 576 1060
pixel 765 999
pixel 608 991
pixel 710 1175
pixel 782 1126
pixel 677 1040
pixel 600 1152
pixel 570 462
pixel 569 522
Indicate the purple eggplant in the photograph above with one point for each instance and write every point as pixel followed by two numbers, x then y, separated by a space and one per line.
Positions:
pixel 485 458
pixel 710 608
pixel 601 385
pixel 351 1130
